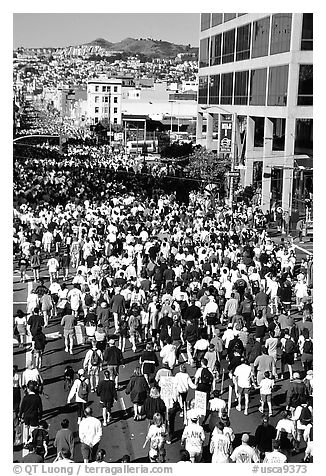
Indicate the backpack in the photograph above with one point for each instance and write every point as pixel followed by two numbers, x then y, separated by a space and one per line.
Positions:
pixel 246 307
pixel 289 347
pixel 206 377
pixel 307 347
pixel 88 299
pixel 95 359
pixel 38 439
pixel 83 390
pixel 305 416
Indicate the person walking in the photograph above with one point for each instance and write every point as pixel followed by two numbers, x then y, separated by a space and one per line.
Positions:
pixel 64 439
pixel 244 381
pixel 193 437
pixel 31 410
pixel 138 389
pixel 244 453
pixel 114 358
pixel 79 391
pixel 107 392
pixel 90 434
pixel 93 365
pixel 156 437
pixel 68 324
pixel 266 385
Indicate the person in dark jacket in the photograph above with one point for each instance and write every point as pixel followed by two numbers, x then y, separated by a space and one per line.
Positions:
pixel 154 404
pixel 118 307
pixel 114 358
pixel 297 392
pixel 31 410
pixel 190 336
pixel 107 393
pixel 192 313
pixel 148 362
pixel 138 389
pixel 265 434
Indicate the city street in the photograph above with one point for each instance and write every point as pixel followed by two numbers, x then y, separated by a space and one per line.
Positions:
pixel 123 435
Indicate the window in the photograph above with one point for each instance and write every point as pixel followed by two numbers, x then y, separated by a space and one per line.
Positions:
pixel 204 53
pixel 106 110
pixel 97 110
pixel 281 33
pixel 97 98
pixel 96 120
pixel 96 89
pixel 243 42
pixel 217 18
pixel 258 87
pixel 202 90
pixel 241 14
pixel 241 87
pixel 115 100
pixel 259 131
pixel 214 88
pixel 307 32
pixel 205 21
pixel 216 49
pixel 103 89
pixel 278 133
pixel 105 98
pixel 229 16
pixel 305 90
pixel 226 88
pixel 260 38
pixel 115 110
pixel 278 85
pixel 228 46
pixel 115 89
pixel 303 137
pixel 115 120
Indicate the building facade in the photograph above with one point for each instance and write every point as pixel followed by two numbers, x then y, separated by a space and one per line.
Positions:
pixel 256 73
pixel 104 100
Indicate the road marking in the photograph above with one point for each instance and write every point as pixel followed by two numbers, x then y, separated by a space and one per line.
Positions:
pixel 302 249
pixel 28 354
pixel 20 302
pixel 123 404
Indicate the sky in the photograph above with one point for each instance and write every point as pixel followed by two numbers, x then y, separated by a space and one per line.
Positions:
pixel 67 29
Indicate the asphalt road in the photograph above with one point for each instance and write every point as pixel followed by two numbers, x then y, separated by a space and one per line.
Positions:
pixel 123 435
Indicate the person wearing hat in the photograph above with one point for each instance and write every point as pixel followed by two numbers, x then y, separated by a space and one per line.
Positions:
pixel 244 453
pixel 90 434
pixel 193 437
pixel 114 358
pixel 80 390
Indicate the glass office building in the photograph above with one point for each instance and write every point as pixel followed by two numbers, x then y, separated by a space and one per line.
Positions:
pixel 257 69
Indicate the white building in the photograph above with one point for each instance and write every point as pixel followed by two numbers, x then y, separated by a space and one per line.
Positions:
pixel 104 100
pixel 258 68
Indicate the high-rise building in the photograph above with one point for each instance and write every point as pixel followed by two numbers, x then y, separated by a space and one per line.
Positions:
pixel 255 99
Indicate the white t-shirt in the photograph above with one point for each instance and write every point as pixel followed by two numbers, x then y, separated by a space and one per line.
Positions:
pixel 194 436
pixel 287 425
pixel 220 448
pixel 243 374
pixel 275 457
pixel 217 404
pixel 244 454
pixel 266 385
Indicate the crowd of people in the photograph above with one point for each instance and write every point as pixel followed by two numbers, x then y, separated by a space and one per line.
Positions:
pixel 188 289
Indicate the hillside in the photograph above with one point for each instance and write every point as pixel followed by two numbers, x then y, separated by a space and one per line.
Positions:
pixel 146 46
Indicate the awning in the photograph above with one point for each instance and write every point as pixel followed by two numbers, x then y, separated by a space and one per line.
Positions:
pixel 305 163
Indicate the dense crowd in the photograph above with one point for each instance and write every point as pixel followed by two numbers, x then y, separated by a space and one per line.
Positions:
pixel 128 269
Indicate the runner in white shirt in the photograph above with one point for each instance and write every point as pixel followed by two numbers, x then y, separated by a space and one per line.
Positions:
pixel 220 445
pixel 275 456
pixel 53 266
pixel 244 379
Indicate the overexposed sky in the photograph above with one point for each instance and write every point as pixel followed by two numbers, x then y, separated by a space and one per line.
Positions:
pixel 66 29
